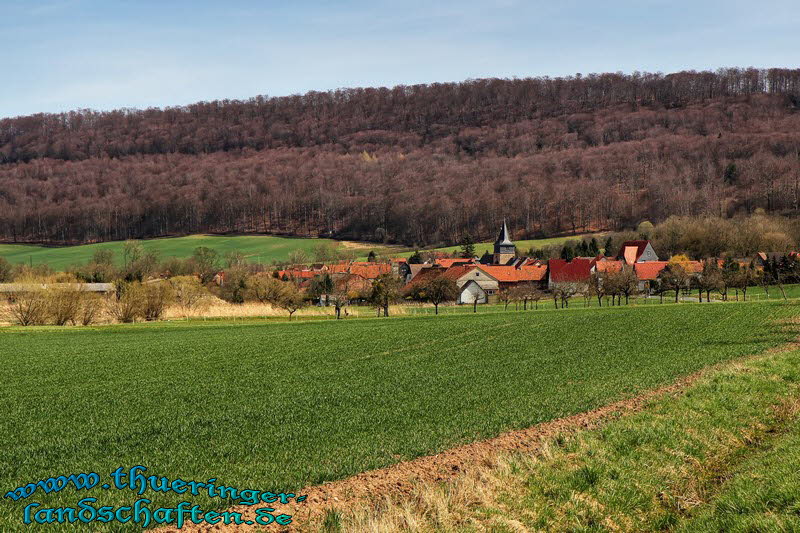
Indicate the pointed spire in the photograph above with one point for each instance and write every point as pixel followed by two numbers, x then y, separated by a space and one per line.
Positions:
pixel 504 237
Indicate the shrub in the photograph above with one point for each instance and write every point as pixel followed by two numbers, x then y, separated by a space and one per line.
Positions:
pixel 5 270
pixel 129 302
pixel 189 294
pixel 90 307
pixel 62 305
pixel 28 308
pixel 155 299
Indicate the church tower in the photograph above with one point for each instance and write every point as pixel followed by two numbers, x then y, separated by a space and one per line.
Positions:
pixel 504 249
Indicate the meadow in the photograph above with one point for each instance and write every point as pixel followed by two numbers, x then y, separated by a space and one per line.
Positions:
pixel 257 249
pixel 262 249
pixel 285 405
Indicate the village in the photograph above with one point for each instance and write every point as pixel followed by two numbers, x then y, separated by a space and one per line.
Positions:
pixel 505 276
pixel 145 289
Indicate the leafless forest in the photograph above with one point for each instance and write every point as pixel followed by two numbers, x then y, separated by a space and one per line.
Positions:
pixel 417 165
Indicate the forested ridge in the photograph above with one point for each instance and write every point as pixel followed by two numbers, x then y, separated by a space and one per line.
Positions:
pixel 418 165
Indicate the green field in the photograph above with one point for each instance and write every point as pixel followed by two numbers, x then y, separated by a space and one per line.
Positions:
pixel 722 454
pixel 279 406
pixel 257 248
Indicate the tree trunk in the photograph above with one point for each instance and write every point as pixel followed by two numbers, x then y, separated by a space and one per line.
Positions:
pixel 677 292
pixel 475 305
pixel 386 309
pixel 436 309
pixel 700 295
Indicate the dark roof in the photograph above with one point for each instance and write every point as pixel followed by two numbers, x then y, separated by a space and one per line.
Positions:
pixel 504 238
pixel 639 245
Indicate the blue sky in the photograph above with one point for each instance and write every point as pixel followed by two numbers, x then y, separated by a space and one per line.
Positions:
pixel 69 54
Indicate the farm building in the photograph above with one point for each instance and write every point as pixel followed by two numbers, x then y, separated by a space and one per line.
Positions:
pixel 471 292
pixel 578 270
pixel 632 252
pixel 16 288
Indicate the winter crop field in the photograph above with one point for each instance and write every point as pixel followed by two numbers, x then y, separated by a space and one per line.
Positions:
pixel 257 249
pixel 281 406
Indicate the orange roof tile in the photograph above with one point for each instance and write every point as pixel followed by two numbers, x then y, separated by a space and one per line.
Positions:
pixel 650 270
pixel 511 274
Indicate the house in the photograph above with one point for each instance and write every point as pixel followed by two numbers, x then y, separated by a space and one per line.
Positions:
pixel 472 292
pixel 448 262
pixel 647 273
pixel 636 252
pixel 509 276
pixel 578 270
pixel 462 275
pixel 761 259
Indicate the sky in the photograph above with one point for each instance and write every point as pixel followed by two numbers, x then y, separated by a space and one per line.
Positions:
pixel 60 55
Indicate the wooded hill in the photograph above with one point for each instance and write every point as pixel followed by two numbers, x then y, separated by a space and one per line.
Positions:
pixel 417 165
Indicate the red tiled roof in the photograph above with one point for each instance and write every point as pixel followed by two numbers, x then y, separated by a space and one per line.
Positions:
pixel 448 262
pixel 435 271
pixel 511 274
pixel 297 274
pixel 370 270
pixel 649 270
pixel 609 265
pixel 579 269
pixel 456 271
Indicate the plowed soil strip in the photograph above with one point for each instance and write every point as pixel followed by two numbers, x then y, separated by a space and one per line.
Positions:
pixel 399 480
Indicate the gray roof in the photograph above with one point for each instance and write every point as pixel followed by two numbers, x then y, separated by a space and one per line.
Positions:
pixel 504 237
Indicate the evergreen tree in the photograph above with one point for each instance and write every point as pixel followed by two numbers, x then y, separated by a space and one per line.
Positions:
pixel 467 246
pixel 594 248
pixel 607 247
pixel 415 258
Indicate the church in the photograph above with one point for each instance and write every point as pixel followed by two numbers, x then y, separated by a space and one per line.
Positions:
pixel 505 251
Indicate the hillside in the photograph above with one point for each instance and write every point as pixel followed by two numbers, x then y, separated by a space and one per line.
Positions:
pixel 257 249
pixel 416 165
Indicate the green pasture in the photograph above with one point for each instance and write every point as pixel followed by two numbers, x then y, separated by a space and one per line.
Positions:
pixel 257 248
pixel 284 405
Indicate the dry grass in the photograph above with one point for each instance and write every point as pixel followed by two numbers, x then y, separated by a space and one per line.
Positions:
pixel 216 308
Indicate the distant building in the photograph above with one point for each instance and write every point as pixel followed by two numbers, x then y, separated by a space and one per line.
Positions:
pixel 578 270
pixel 505 251
pixel 632 252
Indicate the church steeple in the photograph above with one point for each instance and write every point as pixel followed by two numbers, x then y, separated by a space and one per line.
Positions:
pixel 504 248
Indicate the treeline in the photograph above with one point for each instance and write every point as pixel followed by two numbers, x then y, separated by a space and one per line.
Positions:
pixel 698 238
pixel 417 165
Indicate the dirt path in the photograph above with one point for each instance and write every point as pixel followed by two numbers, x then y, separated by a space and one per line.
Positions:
pixel 399 480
